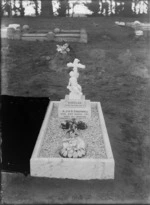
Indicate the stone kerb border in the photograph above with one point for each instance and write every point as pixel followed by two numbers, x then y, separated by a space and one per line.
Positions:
pixel 60 36
pixel 139 28
pixel 82 168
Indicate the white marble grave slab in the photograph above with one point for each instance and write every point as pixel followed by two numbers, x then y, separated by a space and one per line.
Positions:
pixel 46 161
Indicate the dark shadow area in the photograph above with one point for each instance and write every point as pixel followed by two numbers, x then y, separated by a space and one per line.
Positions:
pixel 21 121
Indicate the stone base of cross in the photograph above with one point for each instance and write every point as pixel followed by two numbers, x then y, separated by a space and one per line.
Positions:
pixel 74 96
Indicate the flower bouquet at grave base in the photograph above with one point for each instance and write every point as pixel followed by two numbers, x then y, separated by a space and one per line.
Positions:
pixel 70 124
pixel 63 56
pixel 65 50
pixel 73 146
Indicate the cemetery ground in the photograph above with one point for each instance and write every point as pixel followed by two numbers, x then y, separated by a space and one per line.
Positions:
pixel 118 75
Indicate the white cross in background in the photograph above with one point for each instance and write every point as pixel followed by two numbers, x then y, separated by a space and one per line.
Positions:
pixel 76 65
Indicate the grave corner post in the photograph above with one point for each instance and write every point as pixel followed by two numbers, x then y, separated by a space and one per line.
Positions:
pixel 83 36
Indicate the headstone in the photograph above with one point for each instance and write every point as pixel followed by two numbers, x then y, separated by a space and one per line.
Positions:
pixel 4 32
pixel 57 30
pixel 74 105
pixel 25 28
pixel 140 29
pixel 15 26
pixel 10 33
pixel 50 36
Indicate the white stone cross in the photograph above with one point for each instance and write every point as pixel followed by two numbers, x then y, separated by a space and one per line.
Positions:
pixel 76 65
pixel 73 86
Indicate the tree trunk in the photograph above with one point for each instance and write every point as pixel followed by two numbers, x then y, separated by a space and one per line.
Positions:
pixel 127 8
pixel 46 8
pixel 10 9
pixel 22 9
pixel 111 7
pixel 63 8
pixel 148 7
pixel 36 7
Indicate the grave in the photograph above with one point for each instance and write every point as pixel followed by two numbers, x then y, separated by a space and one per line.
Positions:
pixel 82 152
pixel 12 28
pixel 140 29
pixel 58 35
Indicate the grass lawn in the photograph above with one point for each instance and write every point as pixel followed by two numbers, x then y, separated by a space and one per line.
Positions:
pixel 118 75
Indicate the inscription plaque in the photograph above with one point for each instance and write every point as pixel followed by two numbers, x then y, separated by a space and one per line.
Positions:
pixel 78 109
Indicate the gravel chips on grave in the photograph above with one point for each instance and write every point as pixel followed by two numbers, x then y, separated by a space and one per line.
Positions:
pixel 54 136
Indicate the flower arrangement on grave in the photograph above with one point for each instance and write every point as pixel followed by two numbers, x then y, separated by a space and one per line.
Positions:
pixel 71 125
pixel 73 146
pixel 65 53
pixel 64 49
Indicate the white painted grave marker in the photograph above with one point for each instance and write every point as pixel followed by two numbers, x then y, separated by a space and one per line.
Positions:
pixel 75 105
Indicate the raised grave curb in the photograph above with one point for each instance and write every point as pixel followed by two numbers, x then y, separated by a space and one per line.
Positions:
pixel 71 168
pixel 46 35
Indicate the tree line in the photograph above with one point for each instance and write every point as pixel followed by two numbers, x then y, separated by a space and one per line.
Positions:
pixel 97 7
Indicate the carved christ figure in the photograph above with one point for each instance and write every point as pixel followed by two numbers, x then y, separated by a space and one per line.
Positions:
pixel 73 86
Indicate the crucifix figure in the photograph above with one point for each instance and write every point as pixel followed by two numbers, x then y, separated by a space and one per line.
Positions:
pixel 75 65
pixel 73 86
